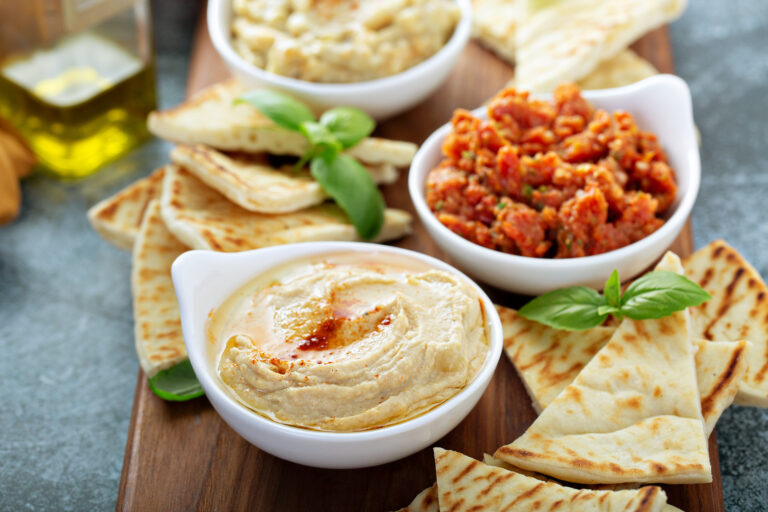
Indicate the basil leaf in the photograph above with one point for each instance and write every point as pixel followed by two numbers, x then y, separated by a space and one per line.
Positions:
pixel 318 135
pixel 348 124
pixel 353 189
pixel 569 309
pixel 612 290
pixel 280 108
pixel 660 293
pixel 177 384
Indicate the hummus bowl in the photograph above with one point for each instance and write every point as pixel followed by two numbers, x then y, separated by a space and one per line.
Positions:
pixel 660 104
pixel 381 98
pixel 204 280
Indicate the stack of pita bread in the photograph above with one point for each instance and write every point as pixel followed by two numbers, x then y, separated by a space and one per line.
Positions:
pixel 583 41
pixel 225 190
pixel 622 405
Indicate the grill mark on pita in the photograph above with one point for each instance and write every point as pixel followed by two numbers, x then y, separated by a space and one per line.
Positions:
pixel 708 274
pixel 760 375
pixel 717 251
pixel 726 303
pixel 556 504
pixel 708 402
pixel 457 505
pixel 527 494
pixel 648 495
pixel 465 471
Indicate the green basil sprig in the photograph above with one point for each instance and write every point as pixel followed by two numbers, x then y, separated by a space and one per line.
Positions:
pixel 655 295
pixel 341 176
pixel 177 384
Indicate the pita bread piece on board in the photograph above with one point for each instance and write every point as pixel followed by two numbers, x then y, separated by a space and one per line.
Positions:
pixel 118 218
pixel 566 42
pixel 252 183
pixel 738 310
pixel 204 219
pixel 548 360
pixel 617 422
pixel 212 118
pixel 625 68
pixel 495 24
pixel 157 325
pixel 466 484
pixel 425 501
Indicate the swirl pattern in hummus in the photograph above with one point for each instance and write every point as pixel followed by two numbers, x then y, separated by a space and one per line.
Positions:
pixel 354 347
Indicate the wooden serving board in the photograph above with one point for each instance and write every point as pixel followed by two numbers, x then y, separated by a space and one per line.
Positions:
pixel 182 456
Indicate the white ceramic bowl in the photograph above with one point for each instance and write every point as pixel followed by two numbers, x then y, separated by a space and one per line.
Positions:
pixel 204 279
pixel 381 98
pixel 660 104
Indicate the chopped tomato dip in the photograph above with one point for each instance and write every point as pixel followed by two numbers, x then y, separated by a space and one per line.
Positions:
pixel 556 179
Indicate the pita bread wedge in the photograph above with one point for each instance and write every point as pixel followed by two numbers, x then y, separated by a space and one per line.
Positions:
pixel 617 422
pixel 720 368
pixel 211 118
pixel 738 310
pixel 118 218
pixel 495 24
pixel 251 182
pixel 425 501
pixel 159 342
pixel 548 360
pixel 625 68
pixel 466 484
pixel 566 42
pixel 204 219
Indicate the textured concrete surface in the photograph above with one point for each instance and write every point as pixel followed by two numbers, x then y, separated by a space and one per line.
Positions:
pixel 68 367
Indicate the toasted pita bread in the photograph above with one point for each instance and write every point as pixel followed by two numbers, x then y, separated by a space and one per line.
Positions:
pixel 118 218
pixel 211 118
pixel 251 182
pixel 204 219
pixel 566 42
pixel 425 501
pixel 625 68
pixel 738 310
pixel 495 24
pixel 615 423
pixel 547 360
pixel 465 484
pixel 157 326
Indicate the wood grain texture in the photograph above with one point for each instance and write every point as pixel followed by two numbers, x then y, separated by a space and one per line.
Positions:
pixel 182 456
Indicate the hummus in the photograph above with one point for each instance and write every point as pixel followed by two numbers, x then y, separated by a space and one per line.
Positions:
pixel 337 41
pixel 344 344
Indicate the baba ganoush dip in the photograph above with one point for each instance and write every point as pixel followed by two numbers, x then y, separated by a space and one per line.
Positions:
pixel 336 41
pixel 349 341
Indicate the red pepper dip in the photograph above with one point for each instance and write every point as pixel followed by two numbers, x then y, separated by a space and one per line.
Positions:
pixel 556 179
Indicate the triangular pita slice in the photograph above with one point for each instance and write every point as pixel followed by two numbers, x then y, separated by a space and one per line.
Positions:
pixel 466 484
pixel 117 218
pixel 566 42
pixel 425 501
pixel 157 326
pixel 617 422
pixel 720 368
pixel 212 118
pixel 625 68
pixel 738 310
pixel 547 360
pixel 204 219
pixel 495 24
pixel 252 182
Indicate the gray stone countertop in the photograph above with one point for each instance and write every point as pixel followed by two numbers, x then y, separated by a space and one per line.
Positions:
pixel 68 368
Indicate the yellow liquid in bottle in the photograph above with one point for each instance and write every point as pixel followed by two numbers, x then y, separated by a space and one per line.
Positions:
pixel 80 104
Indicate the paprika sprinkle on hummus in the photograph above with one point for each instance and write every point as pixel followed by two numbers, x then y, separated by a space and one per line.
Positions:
pixel 556 179
pixel 346 342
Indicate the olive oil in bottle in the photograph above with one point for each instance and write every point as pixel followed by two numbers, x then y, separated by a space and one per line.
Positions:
pixel 80 98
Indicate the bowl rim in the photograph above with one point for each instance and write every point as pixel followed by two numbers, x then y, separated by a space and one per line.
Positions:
pixel 222 44
pixel 420 167
pixel 198 358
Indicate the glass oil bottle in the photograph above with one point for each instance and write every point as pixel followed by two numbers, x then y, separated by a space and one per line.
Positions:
pixel 77 78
